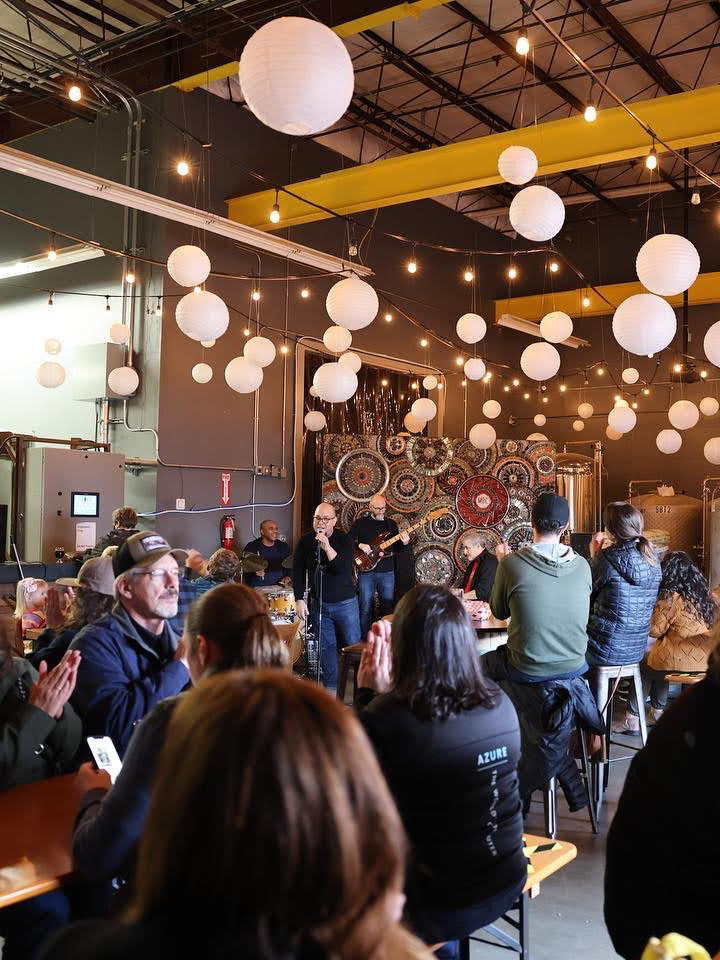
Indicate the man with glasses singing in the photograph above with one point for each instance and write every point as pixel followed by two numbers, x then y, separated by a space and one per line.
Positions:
pixel 333 552
pixel 131 659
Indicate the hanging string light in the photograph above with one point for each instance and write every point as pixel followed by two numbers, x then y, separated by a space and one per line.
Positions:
pixel 275 212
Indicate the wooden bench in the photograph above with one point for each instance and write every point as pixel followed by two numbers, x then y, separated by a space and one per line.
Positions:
pixel 684 678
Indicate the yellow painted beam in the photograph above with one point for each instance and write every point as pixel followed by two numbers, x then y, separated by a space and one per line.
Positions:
pixel 706 289
pixel 188 84
pixel 683 120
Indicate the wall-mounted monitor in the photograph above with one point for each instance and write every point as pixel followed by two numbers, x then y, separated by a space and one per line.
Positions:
pixel 84 504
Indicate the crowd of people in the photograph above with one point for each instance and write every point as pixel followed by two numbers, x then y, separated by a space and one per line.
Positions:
pixel 256 813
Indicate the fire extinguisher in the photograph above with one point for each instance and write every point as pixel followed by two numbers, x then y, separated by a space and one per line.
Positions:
pixel 227 532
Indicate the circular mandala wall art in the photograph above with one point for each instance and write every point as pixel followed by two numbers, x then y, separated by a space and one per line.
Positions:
pixel 451 479
pixel 434 565
pixel 430 455
pixel 492 539
pixel 408 490
pixel 512 471
pixel 336 446
pixel 518 509
pixel 361 474
pixel 447 526
pixel 518 535
pixel 482 501
pixel 394 446
pixel 480 461
pixel 507 446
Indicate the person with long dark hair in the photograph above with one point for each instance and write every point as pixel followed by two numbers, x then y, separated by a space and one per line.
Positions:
pixel 448 741
pixel 271 834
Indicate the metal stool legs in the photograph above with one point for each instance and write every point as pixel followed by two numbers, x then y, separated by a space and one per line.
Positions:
pixel 550 808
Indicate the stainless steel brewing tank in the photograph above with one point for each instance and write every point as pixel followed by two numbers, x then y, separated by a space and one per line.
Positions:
pixel 576 482
pixel 679 515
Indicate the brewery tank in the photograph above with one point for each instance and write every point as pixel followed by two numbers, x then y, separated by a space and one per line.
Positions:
pixel 679 516
pixel 576 481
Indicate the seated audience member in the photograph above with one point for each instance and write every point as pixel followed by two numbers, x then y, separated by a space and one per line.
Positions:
pixel 448 742
pixel 227 629
pixel 131 657
pixel 94 597
pixel 271 833
pixel 194 567
pixel 479 576
pixel 124 526
pixel 663 846
pixel 30 600
pixel 222 566
pixel 270 548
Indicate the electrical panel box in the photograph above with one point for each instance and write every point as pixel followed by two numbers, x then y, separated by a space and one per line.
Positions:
pixel 91 366
pixel 70 496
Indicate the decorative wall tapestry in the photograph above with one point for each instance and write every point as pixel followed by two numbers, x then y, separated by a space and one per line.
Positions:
pixel 491 490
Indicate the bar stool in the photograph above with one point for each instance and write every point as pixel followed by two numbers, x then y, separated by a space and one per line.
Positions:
pixel 349 660
pixel 550 790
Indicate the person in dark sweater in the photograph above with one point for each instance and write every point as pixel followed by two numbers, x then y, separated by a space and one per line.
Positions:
pixel 333 551
pixel 448 742
pixel 274 551
pixel 482 566
pixel 381 579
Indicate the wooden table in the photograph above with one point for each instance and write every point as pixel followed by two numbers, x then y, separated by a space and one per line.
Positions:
pixel 36 836
pixel 492 623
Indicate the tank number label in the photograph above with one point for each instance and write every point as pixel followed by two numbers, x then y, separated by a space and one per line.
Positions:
pixel 663 509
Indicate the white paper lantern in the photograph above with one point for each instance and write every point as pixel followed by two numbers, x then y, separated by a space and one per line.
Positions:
pixel 350 359
pixel 260 351
pixel 621 402
pixel 667 264
pixel 119 333
pixel 644 323
pixel 482 435
pixel 296 76
pixel 711 343
pixel 202 373
pixel 668 441
pixel 315 420
pixel 539 419
pixel 188 266
pixel 712 450
pixel 578 425
pixel 337 339
pixel 611 433
pixel 202 315
pixel 52 346
pixel 123 380
pixel 471 328
pixel 412 424
pixel 537 213
pixel 536 436
pixel 630 375
pixel 50 374
pixel 430 382
pixel 491 409
pixel 313 391
pixel 517 165
pixel 336 382
pixel 242 376
pixel 474 368
pixel 207 344
pixel 683 414
pixel 585 410
pixel 622 419
pixel 556 326
pixel 709 406
pixel 424 409
pixel 540 361
pixel 352 303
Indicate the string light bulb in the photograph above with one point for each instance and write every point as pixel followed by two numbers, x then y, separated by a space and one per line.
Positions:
pixel 506 388
pixel 590 113
pixel 423 342
pixel 255 295
pixel 52 252
pixel 305 293
pixel 50 299
pixel 651 161
pixel 183 168
pixel 284 348
pixel 695 198
pixel 522 44
pixel 75 93
pixel 463 383
pixel 107 303
pixel 526 396
pixel 246 332
pixel 383 383
pixel 130 277
pixel 468 276
pixel 554 266
pixel 703 374
pixel 646 391
pixel 600 371
pixel 412 265
pixel 275 212
pixel 544 399
pixel 459 361
pixel 634 405
pixel 586 301
pixel 563 388
pixel 512 272
pixel 677 368
pixel 516 382
pixel 158 308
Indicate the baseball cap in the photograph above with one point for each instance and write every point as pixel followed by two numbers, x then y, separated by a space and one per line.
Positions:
pixel 143 550
pixel 552 508
pixel 95 574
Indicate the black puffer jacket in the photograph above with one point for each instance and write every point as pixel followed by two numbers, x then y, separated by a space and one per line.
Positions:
pixel 624 592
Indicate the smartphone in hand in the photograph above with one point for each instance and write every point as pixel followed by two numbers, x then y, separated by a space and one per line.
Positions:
pixel 105 756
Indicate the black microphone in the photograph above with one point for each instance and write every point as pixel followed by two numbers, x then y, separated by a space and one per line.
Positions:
pixel 318 552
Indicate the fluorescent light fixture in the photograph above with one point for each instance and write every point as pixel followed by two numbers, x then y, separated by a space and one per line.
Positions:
pixel 59 175
pixel 533 329
pixel 77 253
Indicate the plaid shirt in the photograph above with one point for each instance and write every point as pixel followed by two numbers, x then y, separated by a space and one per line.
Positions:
pixel 187 593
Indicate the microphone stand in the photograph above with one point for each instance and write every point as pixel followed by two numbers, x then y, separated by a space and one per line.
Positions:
pixel 317 615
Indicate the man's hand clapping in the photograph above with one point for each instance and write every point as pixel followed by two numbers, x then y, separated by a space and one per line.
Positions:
pixel 375 671
pixel 53 688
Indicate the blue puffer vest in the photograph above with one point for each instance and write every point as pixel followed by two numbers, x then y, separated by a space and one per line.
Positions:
pixel 624 592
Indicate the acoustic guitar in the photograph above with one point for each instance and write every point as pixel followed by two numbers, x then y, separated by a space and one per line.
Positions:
pixel 368 561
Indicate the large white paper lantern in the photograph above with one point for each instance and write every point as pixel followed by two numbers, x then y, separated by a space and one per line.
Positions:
pixel 667 264
pixel 711 343
pixel 556 326
pixel 119 333
pixel 424 409
pixel 471 328
pixel 668 441
pixel 50 374
pixel 539 419
pixel 202 373
pixel 337 339
pixel 630 375
pixel 202 315
pixel 482 435
pixel 352 303
pixel 412 424
pixel 585 410
pixel 611 433
pixel 537 213
pixel 474 368
pixel 52 346
pixel 622 419
pixel 315 420
pixel 242 376
pixel 578 425
pixel 683 414
pixel 188 266
pixel 709 406
pixel 260 351
pixel 712 450
pixel 350 359
pixel 491 409
pixel 123 380
pixel 296 76
pixel 536 436
pixel 336 382
pixel 644 324
pixel 430 382
pixel 517 165
pixel 540 361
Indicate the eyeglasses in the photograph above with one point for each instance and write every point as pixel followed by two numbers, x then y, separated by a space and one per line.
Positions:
pixel 323 519
pixel 157 575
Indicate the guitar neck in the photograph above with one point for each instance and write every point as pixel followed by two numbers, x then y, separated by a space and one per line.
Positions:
pixel 388 543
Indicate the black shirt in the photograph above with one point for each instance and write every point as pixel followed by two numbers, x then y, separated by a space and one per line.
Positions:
pixel 484 577
pixel 338 580
pixel 274 556
pixel 367 528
